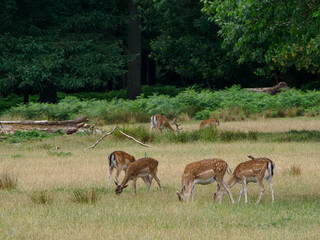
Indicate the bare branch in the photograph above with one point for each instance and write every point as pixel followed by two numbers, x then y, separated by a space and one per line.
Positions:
pixel 132 138
pixel 103 138
pixel 116 128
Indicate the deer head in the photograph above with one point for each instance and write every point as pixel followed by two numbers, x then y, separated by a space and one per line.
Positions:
pixel 119 188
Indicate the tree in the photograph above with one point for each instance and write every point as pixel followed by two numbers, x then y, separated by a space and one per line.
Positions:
pixel 275 34
pixel 185 45
pixel 49 45
pixel 134 49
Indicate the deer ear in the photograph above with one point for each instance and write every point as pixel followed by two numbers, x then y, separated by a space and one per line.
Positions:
pixel 184 188
pixel 125 186
pixel 116 183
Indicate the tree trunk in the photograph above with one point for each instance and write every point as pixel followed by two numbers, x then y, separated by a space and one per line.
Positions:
pixel 134 48
pixel 48 94
pixel 25 98
pixel 151 71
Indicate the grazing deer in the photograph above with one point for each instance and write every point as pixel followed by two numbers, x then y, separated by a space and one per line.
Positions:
pixel 211 122
pixel 119 160
pixel 204 172
pixel 254 170
pixel 145 168
pixel 160 122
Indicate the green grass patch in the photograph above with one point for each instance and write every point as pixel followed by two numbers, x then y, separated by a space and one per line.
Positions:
pixel 42 197
pixel 30 135
pixel 85 196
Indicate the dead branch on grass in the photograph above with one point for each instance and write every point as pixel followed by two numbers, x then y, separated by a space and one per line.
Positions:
pixel 124 134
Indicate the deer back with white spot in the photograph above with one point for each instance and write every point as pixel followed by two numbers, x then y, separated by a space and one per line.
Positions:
pixel 254 170
pixel 202 172
pixel 211 122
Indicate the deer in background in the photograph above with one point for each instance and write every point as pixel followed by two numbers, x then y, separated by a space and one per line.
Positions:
pixel 160 122
pixel 145 168
pixel 254 170
pixel 204 172
pixel 119 160
pixel 211 122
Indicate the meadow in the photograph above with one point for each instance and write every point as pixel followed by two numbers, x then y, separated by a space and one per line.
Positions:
pixel 44 204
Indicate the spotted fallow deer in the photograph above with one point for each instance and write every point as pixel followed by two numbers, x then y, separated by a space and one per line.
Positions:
pixel 145 168
pixel 254 170
pixel 211 122
pixel 159 122
pixel 119 160
pixel 204 172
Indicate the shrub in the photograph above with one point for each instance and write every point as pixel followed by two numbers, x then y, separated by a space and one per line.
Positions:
pixel 229 105
pixel 295 170
pixel 8 181
pixel 85 196
pixel 42 197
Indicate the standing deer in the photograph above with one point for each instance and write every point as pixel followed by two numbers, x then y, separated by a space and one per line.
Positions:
pixel 144 168
pixel 254 170
pixel 160 122
pixel 204 172
pixel 119 160
pixel 211 122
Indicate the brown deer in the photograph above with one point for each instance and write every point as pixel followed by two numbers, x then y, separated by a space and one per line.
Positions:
pixel 204 172
pixel 211 122
pixel 119 160
pixel 254 170
pixel 160 122
pixel 145 168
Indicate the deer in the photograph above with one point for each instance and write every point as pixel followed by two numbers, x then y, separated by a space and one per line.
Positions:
pixel 145 168
pixel 160 122
pixel 204 172
pixel 254 170
pixel 211 122
pixel 119 160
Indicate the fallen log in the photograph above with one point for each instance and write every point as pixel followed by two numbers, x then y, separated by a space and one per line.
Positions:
pixel 67 127
pixel 270 90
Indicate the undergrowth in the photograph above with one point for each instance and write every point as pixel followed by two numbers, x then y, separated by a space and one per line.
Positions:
pixel 232 104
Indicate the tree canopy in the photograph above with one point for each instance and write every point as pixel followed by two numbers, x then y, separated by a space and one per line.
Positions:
pixel 282 33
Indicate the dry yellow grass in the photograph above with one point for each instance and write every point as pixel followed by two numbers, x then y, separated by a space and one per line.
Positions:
pixel 294 215
pixel 259 125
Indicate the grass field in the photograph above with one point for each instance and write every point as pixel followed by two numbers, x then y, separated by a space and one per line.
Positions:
pixel 40 169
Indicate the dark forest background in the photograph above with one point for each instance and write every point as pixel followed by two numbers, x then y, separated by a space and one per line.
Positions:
pixel 50 46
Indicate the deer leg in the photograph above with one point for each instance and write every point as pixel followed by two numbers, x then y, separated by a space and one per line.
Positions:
pixel 271 188
pixel 192 192
pixel 147 180
pixel 110 173
pixel 261 189
pixel 228 191
pixel 244 182
pixel 119 169
pixel 241 192
pixel 134 185
pixel 158 181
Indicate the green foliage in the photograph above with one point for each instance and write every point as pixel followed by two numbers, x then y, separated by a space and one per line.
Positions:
pixel 185 42
pixel 67 45
pixel 227 105
pixel 30 135
pixel 280 33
